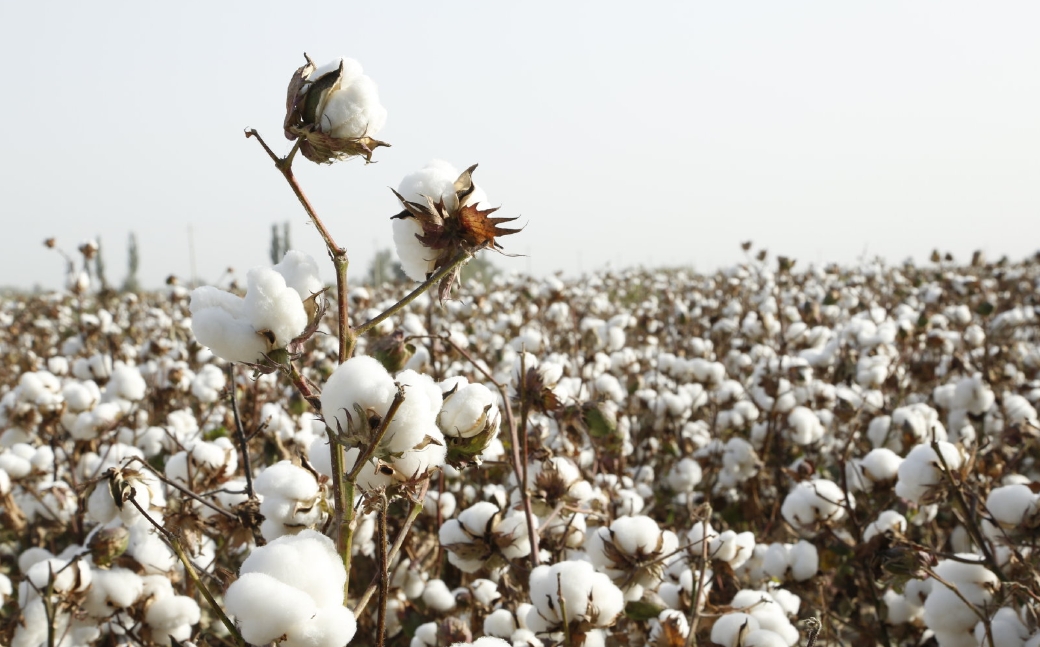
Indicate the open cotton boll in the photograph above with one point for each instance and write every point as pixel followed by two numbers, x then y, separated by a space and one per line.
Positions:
pixel 435 181
pixel 290 499
pixel 362 382
pixel 267 608
pixel 1014 505
pixel 220 321
pixel 811 503
pixel 1006 627
pixel 300 272
pixel 273 308
pixel 920 473
pixel 471 409
pixel 889 521
pixel 487 641
pixel 126 383
pixel 307 561
pixel 729 629
pixel 173 616
pixel 438 596
pixel 587 595
pixel 416 259
pixel 208 383
pixel 804 426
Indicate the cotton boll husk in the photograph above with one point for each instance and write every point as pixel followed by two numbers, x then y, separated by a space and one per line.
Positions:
pixel 727 629
pixel 266 608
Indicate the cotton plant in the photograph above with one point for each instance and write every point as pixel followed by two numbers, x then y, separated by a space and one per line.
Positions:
pixel 631 551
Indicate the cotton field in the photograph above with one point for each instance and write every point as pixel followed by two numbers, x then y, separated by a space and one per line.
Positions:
pixel 722 456
pixel 766 456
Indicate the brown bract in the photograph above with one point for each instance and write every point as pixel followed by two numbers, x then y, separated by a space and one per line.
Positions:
pixel 305 103
pixel 454 226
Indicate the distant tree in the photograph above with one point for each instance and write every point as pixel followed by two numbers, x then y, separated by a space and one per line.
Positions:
pixel 384 268
pixel 279 242
pixel 99 266
pixel 276 244
pixel 130 283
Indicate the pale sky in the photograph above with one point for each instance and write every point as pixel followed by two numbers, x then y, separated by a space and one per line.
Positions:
pixel 662 134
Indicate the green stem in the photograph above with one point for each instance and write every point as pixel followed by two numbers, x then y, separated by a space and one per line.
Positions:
pixel 461 258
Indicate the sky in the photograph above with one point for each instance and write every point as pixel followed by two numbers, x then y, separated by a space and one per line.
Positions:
pixel 663 134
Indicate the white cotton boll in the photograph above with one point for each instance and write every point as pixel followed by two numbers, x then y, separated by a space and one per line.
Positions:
pixel 684 475
pixel 272 307
pixel 438 597
pixel 219 320
pixel 81 396
pixel 1007 629
pixel 332 626
pixel 1013 505
pixel 731 627
pixel 889 521
pixel 805 561
pixel 149 550
pixel 764 638
pixel 805 427
pixel 500 623
pixel 300 272
pixel 466 412
pixel 973 394
pixel 267 608
pixel 353 110
pixel 126 382
pixel 810 503
pixel 1017 410
pixel 68 577
pixel 5 483
pixel 14 464
pixel 172 615
pixel 920 473
pixel 587 595
pixel 485 591
pixel 208 384
pixel 360 381
pixel 881 465
pixel 101 507
pixel 776 561
pixel 416 463
pixel 417 260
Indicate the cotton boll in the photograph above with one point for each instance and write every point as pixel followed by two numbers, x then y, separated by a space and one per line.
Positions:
pixel 220 320
pixel 173 616
pixel 764 638
pixel 272 308
pixel 805 561
pixel 438 597
pixel 811 503
pixel 1013 506
pixel 731 628
pixel 208 384
pixel 267 608
pixel 1007 629
pixel 416 260
pixel 920 474
pixel 332 626
pixel 587 595
pixel 500 623
pixel 804 426
pixel 889 521
pixel 362 382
